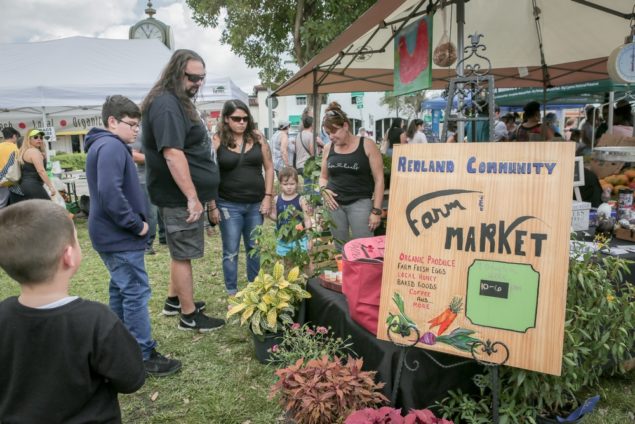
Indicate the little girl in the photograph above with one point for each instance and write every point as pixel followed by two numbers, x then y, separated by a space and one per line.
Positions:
pixel 289 198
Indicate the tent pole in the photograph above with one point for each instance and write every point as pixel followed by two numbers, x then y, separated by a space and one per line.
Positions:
pixel 269 113
pixel 460 22
pixel 317 124
pixel 610 117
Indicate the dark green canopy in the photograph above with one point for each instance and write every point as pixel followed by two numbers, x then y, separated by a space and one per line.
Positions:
pixel 582 93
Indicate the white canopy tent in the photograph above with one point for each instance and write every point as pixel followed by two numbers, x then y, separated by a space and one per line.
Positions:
pixel 65 81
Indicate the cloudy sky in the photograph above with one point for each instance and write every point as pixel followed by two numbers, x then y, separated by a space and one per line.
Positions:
pixel 39 20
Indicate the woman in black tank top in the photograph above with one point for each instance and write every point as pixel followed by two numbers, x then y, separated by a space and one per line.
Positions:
pixel 244 194
pixel 351 180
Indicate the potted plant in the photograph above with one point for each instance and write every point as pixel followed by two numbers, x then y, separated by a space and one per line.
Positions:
pixel 268 304
pixel 324 391
pixel 308 342
pixel 388 415
pixel 599 336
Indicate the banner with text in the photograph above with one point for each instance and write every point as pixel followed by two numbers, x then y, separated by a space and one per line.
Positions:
pixel 477 250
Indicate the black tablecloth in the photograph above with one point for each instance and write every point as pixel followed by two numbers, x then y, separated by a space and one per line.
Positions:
pixel 416 389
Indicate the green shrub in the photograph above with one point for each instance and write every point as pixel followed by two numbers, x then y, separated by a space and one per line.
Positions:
pixel 599 332
pixel 71 161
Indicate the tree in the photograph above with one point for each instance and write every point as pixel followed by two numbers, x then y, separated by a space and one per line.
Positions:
pixel 265 33
pixel 408 105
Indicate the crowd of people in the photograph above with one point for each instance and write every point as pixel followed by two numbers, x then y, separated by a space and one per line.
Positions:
pixel 156 164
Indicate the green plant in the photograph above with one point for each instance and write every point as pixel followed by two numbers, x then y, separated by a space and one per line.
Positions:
pixel 598 335
pixel 270 301
pixel 324 391
pixel 322 252
pixel 72 161
pixel 308 342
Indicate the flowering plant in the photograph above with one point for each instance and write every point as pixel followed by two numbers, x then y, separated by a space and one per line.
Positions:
pixel 388 415
pixel 308 342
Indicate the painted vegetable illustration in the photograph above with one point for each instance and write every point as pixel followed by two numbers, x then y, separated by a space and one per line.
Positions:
pixel 445 319
pixel 400 323
pixel 459 338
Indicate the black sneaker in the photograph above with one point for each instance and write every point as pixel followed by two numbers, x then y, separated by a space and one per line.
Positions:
pixel 150 251
pixel 200 322
pixel 160 366
pixel 171 307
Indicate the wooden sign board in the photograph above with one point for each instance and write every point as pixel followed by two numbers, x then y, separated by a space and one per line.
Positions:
pixel 477 250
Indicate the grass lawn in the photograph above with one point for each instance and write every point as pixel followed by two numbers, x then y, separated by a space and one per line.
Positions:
pixel 221 381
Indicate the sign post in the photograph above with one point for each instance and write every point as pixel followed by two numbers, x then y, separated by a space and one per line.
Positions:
pixel 477 250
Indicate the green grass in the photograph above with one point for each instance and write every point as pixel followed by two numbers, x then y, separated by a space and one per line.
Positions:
pixel 221 381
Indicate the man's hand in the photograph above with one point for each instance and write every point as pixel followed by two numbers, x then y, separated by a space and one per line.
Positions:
pixel 195 209
pixel 145 229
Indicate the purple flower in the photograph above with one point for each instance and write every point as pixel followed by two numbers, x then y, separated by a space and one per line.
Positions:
pixel 274 348
pixel 322 330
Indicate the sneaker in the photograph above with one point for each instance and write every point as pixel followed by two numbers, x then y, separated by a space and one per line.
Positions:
pixel 150 251
pixel 160 366
pixel 171 307
pixel 200 322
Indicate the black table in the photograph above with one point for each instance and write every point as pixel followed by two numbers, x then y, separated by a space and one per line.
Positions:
pixel 437 372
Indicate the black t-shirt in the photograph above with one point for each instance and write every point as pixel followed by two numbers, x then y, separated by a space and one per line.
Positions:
pixel 65 364
pixel 394 136
pixel 244 183
pixel 166 124
pixel 350 176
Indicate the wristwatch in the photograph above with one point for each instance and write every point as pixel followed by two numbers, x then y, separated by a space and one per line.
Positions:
pixel 376 211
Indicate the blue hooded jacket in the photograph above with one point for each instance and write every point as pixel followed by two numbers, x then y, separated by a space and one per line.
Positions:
pixel 118 206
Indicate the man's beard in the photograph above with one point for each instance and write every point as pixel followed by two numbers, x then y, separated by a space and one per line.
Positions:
pixel 192 92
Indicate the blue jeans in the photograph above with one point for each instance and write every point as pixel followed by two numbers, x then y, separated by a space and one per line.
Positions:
pixel 349 219
pixel 238 219
pixel 129 294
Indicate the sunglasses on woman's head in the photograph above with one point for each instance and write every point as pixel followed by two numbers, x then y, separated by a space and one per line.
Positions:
pixel 239 118
pixel 195 77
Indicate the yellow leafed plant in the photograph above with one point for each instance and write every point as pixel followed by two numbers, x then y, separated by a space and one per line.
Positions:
pixel 270 302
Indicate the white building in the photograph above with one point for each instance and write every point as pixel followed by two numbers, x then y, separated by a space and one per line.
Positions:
pixel 367 114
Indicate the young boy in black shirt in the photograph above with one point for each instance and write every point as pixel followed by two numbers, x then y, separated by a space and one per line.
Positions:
pixel 63 359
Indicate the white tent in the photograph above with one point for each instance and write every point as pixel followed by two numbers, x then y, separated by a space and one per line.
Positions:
pixel 68 79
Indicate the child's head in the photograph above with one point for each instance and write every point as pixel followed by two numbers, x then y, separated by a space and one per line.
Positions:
pixel 35 236
pixel 121 117
pixel 288 178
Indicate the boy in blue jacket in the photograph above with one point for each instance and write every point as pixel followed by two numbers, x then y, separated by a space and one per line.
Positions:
pixel 117 224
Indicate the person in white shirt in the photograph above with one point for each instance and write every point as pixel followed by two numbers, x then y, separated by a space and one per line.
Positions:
pixel 415 133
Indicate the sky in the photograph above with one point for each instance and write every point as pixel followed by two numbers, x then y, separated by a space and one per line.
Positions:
pixel 42 20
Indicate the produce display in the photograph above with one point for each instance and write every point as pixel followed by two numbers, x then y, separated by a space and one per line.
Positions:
pixel 620 181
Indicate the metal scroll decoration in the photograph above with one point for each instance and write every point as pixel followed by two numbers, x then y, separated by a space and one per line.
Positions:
pixel 474 84
pixel 490 348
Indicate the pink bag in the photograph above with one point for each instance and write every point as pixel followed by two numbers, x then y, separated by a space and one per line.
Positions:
pixel 363 262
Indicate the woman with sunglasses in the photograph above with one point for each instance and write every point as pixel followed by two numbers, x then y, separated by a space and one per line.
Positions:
pixel 32 159
pixel 351 180
pixel 244 193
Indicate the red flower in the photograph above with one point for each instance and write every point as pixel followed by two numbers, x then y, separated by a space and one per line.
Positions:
pixel 322 330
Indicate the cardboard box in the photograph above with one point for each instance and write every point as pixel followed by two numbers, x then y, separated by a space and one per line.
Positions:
pixel 625 234
pixel 580 216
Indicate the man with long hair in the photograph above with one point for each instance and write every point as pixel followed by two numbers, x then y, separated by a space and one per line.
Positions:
pixel 181 176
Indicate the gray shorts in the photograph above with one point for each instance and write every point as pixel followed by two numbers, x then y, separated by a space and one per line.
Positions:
pixel 185 241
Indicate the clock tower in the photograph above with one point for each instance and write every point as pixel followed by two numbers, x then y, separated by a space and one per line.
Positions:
pixel 152 28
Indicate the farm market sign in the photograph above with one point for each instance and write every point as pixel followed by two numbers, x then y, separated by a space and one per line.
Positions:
pixel 482 250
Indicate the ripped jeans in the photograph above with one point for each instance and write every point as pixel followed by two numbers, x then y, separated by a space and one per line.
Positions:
pixel 236 220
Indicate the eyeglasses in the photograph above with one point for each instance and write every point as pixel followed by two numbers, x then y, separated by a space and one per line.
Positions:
pixel 195 77
pixel 239 118
pixel 133 126
pixel 335 113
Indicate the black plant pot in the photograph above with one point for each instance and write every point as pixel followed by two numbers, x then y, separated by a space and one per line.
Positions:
pixel 262 345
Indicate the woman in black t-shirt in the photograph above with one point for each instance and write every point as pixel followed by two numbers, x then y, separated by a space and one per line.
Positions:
pixel 352 179
pixel 244 195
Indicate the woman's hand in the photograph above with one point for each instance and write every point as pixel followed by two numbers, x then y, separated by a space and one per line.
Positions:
pixel 329 199
pixel 265 206
pixel 373 221
pixel 214 214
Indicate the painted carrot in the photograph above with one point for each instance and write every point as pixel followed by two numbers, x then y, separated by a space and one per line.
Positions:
pixel 445 319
